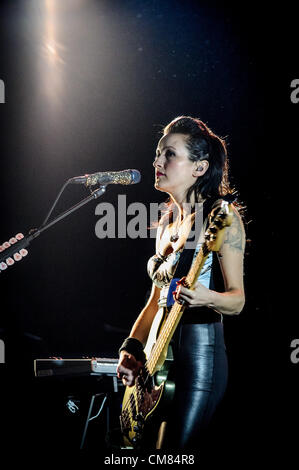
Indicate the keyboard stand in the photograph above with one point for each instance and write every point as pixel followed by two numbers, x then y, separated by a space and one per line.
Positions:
pixel 91 406
pixel 90 418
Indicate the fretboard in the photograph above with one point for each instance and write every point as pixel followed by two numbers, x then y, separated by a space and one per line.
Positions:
pixel 176 311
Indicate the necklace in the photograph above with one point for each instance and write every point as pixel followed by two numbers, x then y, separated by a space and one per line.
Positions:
pixel 176 230
pixel 175 235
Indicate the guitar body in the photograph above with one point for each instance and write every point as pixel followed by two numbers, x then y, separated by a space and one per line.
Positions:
pixel 140 422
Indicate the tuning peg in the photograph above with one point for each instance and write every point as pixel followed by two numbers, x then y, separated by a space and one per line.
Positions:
pixel 9 261
pixel 13 240
pixel 17 256
pixel 6 245
pixel 23 252
pixel 3 266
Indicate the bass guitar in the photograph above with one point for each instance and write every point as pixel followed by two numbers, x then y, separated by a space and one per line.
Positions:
pixel 139 419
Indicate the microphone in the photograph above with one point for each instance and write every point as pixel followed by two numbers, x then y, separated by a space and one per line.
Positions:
pixel 108 177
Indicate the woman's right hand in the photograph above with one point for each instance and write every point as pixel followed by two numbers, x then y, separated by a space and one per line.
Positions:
pixel 128 368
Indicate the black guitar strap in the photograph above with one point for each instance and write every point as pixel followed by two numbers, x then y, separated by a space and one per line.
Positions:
pixel 187 254
pixel 197 314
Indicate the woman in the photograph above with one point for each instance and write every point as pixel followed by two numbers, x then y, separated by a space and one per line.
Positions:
pixel 191 166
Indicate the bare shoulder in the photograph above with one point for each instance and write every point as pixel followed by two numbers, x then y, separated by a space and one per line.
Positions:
pixel 235 237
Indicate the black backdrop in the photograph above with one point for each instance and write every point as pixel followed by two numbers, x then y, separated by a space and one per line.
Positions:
pixel 88 86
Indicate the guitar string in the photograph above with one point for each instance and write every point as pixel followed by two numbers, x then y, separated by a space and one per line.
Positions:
pixel 167 327
pixel 173 314
pixel 132 403
pixel 172 317
pixel 160 344
pixel 195 268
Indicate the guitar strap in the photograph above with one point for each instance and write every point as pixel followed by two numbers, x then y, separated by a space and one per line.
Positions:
pixel 187 254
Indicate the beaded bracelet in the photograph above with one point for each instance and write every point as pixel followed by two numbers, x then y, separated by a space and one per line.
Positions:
pixel 160 258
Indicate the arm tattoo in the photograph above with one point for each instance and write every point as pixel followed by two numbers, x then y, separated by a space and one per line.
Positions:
pixel 234 234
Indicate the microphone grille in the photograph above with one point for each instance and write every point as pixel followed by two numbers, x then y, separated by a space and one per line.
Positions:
pixel 136 176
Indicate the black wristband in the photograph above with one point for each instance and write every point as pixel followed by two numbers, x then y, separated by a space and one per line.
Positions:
pixel 160 258
pixel 133 346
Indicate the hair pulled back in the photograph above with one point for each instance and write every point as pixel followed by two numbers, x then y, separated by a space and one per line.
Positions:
pixel 203 144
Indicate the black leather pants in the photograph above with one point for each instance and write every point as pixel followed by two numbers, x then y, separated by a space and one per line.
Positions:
pixel 200 372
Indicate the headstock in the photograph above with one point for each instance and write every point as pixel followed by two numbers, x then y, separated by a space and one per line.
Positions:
pixel 16 256
pixel 221 216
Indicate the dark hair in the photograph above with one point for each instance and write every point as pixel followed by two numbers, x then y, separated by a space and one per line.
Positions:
pixel 203 144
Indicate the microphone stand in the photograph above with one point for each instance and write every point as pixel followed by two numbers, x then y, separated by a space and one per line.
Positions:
pixel 33 233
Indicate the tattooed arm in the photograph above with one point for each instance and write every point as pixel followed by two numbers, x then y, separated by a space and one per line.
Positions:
pixel 231 254
pixel 231 257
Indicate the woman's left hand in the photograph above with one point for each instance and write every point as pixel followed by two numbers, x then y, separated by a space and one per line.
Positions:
pixel 201 296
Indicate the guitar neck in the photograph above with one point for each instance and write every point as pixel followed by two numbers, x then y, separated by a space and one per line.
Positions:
pixel 220 218
pixel 175 314
pixel 197 266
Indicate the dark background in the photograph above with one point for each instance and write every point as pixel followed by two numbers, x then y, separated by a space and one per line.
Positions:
pixel 88 87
